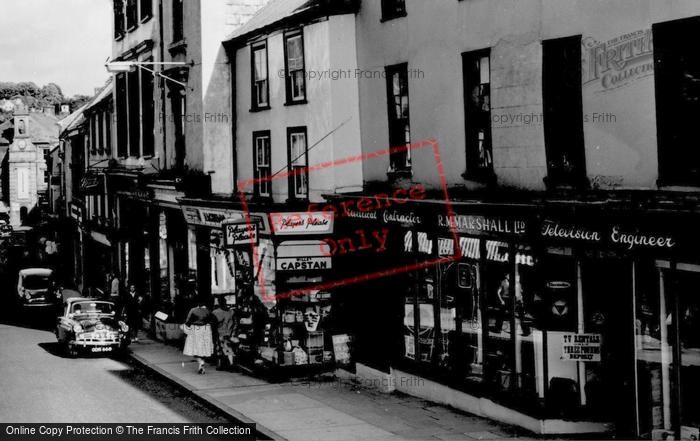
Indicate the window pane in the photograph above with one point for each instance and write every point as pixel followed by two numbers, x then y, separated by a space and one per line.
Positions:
pixel 295 54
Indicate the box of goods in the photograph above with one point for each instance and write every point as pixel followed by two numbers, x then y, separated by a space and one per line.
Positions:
pixel 290 316
pixel 327 356
pixel 315 340
pixel 300 357
pixel 287 358
pixel 315 355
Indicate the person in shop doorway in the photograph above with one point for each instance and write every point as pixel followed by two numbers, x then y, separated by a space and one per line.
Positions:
pixel 198 327
pixel 225 326
pixel 114 287
pixel 132 306
pixel 506 303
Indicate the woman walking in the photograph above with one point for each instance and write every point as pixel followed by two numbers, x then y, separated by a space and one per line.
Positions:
pixel 199 338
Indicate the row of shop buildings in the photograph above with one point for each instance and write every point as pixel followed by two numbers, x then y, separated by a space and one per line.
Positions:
pixel 490 208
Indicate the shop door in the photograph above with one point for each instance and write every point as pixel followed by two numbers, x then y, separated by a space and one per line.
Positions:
pixel 609 385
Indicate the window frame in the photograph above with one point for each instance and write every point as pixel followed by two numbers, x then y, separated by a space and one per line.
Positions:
pixel 147 113
pixel 134 111
pixel 260 135
pixel 475 117
pixel 178 21
pixel 255 103
pixel 288 82
pixel 122 114
pixel 119 20
pixel 145 10
pixel 564 111
pixel 393 120
pixel 392 9
pixel 674 115
pixel 132 15
pixel 293 195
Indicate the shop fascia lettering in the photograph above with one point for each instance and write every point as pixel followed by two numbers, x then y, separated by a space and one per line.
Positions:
pixel 617 235
pixel 303 263
pixel 481 224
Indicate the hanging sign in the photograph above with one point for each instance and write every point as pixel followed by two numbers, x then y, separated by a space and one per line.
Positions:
pixel 342 349
pixel 239 233
pixel 581 347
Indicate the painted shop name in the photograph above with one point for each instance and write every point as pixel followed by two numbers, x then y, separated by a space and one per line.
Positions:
pixel 481 224
pixel 617 236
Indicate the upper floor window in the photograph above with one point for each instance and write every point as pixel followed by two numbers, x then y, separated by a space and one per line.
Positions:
pixel 178 20
pixel 563 111
pixel 399 125
pixel 146 9
pixel 393 9
pixel 134 113
pixel 122 115
pixel 260 82
pixel 477 111
pixel 94 133
pixel 677 90
pixel 100 133
pixel 294 65
pixel 131 14
pixel 298 160
pixel 262 163
pixel 108 133
pixel 148 113
pixel 118 19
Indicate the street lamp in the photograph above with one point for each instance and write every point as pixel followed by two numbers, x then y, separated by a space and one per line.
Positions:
pixel 126 66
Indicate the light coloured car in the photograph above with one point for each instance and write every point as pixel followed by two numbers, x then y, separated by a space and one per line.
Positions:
pixel 33 287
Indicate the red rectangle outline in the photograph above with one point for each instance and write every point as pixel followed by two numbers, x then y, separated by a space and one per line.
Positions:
pixel 370 276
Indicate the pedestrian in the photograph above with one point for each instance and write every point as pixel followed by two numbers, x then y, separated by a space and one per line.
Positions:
pixel 199 334
pixel 132 305
pixel 115 287
pixel 225 327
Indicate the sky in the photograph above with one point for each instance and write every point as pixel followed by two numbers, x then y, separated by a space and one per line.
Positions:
pixel 56 41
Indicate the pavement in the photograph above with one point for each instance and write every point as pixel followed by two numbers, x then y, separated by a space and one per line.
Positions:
pixel 322 408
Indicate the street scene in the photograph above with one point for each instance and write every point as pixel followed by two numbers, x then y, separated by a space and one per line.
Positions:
pixel 345 220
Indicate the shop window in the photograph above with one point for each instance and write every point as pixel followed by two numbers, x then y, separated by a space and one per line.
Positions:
pixel 260 85
pixel 178 20
pixel 677 79
pixel 399 126
pixel 477 111
pixel 262 161
pixel 393 9
pixel 563 111
pixel 164 260
pixel 294 65
pixel 298 159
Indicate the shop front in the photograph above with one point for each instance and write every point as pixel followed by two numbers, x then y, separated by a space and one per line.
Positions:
pixel 265 275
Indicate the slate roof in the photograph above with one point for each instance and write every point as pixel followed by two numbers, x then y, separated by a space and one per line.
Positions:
pixel 103 94
pixel 273 12
pixel 43 128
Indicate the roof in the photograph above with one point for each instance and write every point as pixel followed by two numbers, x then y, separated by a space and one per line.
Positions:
pixel 274 12
pixel 103 94
pixel 43 128
pixel 36 272
pixel 73 120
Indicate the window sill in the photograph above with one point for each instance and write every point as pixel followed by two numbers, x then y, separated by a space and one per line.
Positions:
pixel 119 37
pixel 131 28
pixel 481 176
pixel 295 103
pixel 385 19
pixel 260 109
pixel 178 46
pixel 678 185
pixel 406 173
pixel 146 18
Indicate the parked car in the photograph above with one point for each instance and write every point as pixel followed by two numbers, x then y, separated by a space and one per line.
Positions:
pixel 33 287
pixel 91 325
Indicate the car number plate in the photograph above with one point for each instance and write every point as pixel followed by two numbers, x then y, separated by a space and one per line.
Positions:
pixel 102 349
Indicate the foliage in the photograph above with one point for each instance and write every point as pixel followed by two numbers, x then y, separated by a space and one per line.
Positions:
pixel 35 97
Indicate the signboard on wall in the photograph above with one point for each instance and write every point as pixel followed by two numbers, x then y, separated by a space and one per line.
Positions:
pixel 581 347
pixel 300 223
pixel 303 263
pixel 341 349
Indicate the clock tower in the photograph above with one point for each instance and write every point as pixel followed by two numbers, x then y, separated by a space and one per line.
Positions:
pixel 23 169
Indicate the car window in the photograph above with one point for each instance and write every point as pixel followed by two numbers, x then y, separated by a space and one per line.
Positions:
pixel 36 282
pixel 92 308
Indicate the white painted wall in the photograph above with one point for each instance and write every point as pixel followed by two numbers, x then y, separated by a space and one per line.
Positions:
pixel 432 37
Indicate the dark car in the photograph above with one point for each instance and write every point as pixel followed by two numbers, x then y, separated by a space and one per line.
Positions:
pixel 91 325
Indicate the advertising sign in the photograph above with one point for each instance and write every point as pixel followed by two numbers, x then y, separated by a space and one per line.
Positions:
pixel 581 347
pixel 303 263
pixel 239 233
